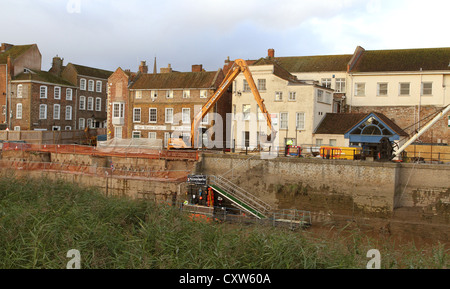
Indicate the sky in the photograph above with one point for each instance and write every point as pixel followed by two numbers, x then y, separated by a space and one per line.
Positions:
pixel 109 34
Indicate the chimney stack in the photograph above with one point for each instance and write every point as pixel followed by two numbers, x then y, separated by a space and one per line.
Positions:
pixel 197 68
pixel 271 53
pixel 167 70
pixel 5 46
pixel 57 65
pixel 143 68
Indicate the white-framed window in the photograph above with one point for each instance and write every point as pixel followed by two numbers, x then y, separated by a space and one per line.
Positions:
pixel 328 97
pixel 57 92
pixel 169 94
pixel 404 88
pixel 82 84
pixel 19 111
pixel 427 88
pixel 261 84
pixel 340 85
pixel 382 89
pixel 43 111
pixel 246 110
pixel 82 103
pixel 137 114
pixel 118 109
pixel 186 93
pixel 17 128
pixel 205 119
pixel 300 121
pixel 98 104
pixel 154 94
pixel 278 96
pixel 153 115
pixel 90 103
pixel 203 93
pixel 118 132
pixel 186 115
pixel 326 82
pixel 56 128
pixel 169 115
pixel 98 86
pixel 360 89
pixel 89 123
pixel 68 112
pixel 246 86
pixel 136 134
pixel 81 123
pixel 319 142
pixel 91 85
pixel 167 136
pixel 20 91
pixel 333 142
pixel 56 111
pixel 152 135
pixel 43 91
pixel 68 127
pixel 138 94
pixel 292 96
pixel 284 119
pixel 320 97
pixel 69 94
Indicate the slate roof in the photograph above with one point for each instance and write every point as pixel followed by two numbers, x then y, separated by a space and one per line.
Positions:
pixel 93 72
pixel 279 70
pixel 42 76
pixel 320 63
pixel 177 80
pixel 14 52
pixel 341 123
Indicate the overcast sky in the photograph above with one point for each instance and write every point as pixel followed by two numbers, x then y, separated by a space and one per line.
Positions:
pixel 118 33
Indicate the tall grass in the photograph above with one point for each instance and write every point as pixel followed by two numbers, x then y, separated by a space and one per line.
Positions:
pixel 41 220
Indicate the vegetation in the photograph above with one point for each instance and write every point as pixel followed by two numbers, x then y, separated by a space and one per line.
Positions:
pixel 41 220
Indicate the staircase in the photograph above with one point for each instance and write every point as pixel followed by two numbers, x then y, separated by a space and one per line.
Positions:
pixel 240 197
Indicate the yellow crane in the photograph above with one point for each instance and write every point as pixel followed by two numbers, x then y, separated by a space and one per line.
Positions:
pixel 239 66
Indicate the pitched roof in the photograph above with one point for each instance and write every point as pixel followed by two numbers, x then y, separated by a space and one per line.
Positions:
pixel 14 52
pixel 42 76
pixel 176 80
pixel 320 63
pixel 341 123
pixel 90 71
pixel 278 70
pixel 403 60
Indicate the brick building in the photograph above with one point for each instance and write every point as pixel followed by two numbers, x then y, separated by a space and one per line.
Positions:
pixel 91 98
pixel 42 101
pixel 13 60
pixel 163 105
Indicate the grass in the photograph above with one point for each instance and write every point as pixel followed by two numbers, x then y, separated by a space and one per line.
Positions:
pixel 41 220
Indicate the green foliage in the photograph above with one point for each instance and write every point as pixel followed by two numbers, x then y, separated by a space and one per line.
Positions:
pixel 41 220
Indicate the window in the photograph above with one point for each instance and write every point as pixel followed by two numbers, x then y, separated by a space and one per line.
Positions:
pixel 169 115
pixel 69 94
pixel 427 88
pixel 328 97
pixel 43 92
pixel 153 115
pixel 68 128
pixel 278 96
pixel 20 91
pixel 360 89
pixel 118 132
pixel 82 84
pixel 81 123
pixel 404 88
pixel 205 120
pixel 319 142
pixel 186 93
pixel 56 128
pixel 340 85
pixel 89 123
pixel 98 86
pixel 261 84
pixel 17 128
pixel 136 134
pixel 152 135
pixel 203 93
pixel 246 111
pixel 382 89
pixel 333 142
pixel 326 82
pixel 300 121
pixel 246 86
pixel 320 95
pixel 90 103
pixel 169 94
pixel 98 104
pixel 118 110
pixel 19 111
pixel 43 111
pixel 56 111
pixel 136 115
pixel 154 94
pixel 82 102
pixel 292 96
pixel 138 94
pixel 57 94
pixel 91 85
pixel 68 112
pixel 284 120
pixel 186 115
pixel 166 138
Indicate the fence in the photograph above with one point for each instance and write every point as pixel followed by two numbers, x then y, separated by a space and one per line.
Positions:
pixel 49 137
